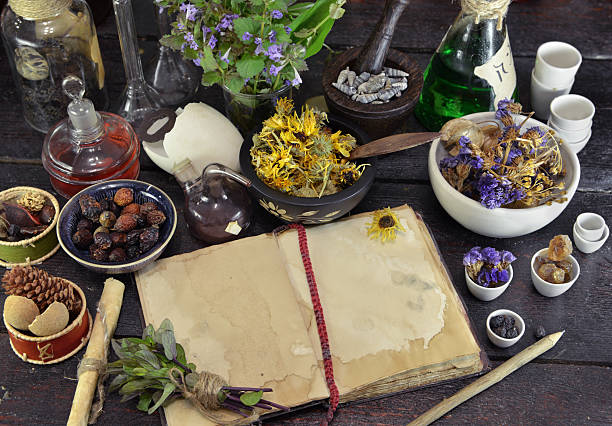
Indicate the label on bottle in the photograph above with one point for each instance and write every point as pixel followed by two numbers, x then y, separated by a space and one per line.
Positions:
pixel 499 72
pixel 233 228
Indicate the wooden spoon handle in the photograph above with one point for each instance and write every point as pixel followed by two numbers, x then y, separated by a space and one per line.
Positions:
pixel 392 143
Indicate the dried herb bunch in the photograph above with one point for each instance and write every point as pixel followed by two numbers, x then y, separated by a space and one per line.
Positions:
pixel 299 154
pixel 155 369
pixel 509 166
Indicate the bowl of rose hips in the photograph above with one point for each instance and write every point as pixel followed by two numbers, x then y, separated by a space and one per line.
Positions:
pixel 118 226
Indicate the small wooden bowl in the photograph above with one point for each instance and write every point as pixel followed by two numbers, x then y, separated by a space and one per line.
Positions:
pixel 377 120
pixel 56 347
pixel 34 250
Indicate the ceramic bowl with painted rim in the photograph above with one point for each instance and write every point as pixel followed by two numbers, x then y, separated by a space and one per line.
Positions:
pixel 304 209
pixel 487 294
pixel 56 347
pixel 143 192
pixel 546 288
pixel 500 222
pixel 502 342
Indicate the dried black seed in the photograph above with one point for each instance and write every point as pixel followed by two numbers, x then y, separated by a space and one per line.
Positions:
pixel 540 332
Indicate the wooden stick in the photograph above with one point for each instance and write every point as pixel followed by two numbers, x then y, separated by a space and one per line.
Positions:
pixel 489 379
pixel 103 330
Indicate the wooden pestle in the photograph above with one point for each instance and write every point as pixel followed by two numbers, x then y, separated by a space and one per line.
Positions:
pixel 373 55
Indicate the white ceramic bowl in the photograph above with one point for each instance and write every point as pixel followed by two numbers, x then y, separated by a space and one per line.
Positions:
pixel 501 341
pixel 590 226
pixel 571 112
pixel 486 294
pixel 542 96
pixel 571 136
pixel 550 289
pixel 586 246
pixel 500 222
pixel 556 63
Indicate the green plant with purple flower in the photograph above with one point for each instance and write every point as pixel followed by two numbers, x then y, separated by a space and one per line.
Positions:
pixel 250 46
pixel 488 267
pixel 507 167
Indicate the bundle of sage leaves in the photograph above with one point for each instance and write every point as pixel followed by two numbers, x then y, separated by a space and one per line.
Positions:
pixel 154 369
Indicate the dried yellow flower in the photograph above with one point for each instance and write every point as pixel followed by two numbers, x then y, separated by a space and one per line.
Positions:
pixel 384 225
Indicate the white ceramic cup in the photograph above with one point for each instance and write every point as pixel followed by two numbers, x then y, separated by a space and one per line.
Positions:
pixel 487 294
pixel 590 246
pixel 571 112
pixel 576 147
pixel 501 341
pixel 556 64
pixel 571 136
pixel 542 95
pixel 590 226
pixel 551 289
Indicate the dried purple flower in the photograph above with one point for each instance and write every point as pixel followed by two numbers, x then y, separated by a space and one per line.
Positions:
pixel 472 256
pixel 490 255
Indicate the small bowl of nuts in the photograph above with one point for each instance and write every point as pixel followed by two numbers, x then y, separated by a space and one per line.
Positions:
pixel 553 269
pixel 118 226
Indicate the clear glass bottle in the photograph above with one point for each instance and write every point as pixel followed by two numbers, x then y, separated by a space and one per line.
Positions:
pixel 138 98
pixel 45 41
pixel 471 70
pixel 175 79
pixel 217 204
pixel 88 147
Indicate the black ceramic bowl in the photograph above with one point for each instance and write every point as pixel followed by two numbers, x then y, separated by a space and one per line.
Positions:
pixel 311 210
pixel 143 192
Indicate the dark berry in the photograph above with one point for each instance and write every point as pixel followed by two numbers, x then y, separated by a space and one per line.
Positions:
pixel 117 255
pixel 497 321
pixel 125 223
pixel 512 333
pixel 148 207
pixel 508 321
pixel 540 332
pixel 156 217
pixel 103 240
pixel 133 208
pixel 85 224
pixel 133 237
pixel 119 239
pixel 141 220
pixel 500 331
pixel 148 238
pixel 133 251
pixel 90 208
pixel 82 238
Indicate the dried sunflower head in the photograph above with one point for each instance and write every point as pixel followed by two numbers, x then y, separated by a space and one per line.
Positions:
pixel 385 224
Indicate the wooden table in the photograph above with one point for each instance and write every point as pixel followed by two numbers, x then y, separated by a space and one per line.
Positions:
pixel 571 384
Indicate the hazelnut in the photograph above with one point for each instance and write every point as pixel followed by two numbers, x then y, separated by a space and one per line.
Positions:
pixel 123 197
pixel 126 223
pixel 156 217
pixel 133 208
pixel 82 238
pixel 107 219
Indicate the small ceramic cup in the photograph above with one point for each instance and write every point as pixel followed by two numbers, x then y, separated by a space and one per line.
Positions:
pixel 542 95
pixel 486 293
pixel 576 147
pixel 550 289
pixel 501 341
pixel 590 226
pixel 586 246
pixel 571 112
pixel 557 63
pixel 571 136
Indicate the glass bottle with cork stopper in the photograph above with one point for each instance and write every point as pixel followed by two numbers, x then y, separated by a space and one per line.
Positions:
pixel 217 204
pixel 88 147
pixel 472 69
pixel 45 40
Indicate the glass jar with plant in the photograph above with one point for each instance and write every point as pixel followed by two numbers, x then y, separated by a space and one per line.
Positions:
pixel 254 49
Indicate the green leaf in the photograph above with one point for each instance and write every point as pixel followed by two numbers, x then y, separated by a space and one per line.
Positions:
pixel 136 385
pixel 210 78
pixel 118 349
pixel 173 41
pixel 190 53
pixel 311 27
pixel 180 354
pixel 249 66
pixel 251 398
pixel 148 357
pixel 208 61
pixel 235 84
pixel 192 366
pixel 168 389
pixel 149 331
pixel 243 25
pixel 335 11
pixel 169 344
pixel 139 371
pixel 117 382
pixel 145 401
pixel 298 8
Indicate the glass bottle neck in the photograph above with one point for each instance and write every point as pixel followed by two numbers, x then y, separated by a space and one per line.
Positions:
pixel 126 28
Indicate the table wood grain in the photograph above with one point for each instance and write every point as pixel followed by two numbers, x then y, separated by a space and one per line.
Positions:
pixel 571 384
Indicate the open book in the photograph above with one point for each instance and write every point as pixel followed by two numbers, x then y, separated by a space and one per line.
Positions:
pixel 243 310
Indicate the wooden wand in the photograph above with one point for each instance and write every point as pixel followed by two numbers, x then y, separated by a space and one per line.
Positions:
pixel 489 379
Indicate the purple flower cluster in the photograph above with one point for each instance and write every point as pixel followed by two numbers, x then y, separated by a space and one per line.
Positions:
pixel 465 156
pixel 488 267
pixel 189 39
pixel 190 11
pixel 494 193
pixel 275 52
pixel 276 14
pixel 226 23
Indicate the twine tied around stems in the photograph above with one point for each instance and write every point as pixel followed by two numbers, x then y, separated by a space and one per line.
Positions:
pixel 38 9
pixel 485 9
pixel 204 395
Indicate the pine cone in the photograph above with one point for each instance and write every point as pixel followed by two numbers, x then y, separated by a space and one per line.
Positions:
pixel 41 287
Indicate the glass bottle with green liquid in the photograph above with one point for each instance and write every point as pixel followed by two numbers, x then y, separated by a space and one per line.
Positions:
pixel 472 69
